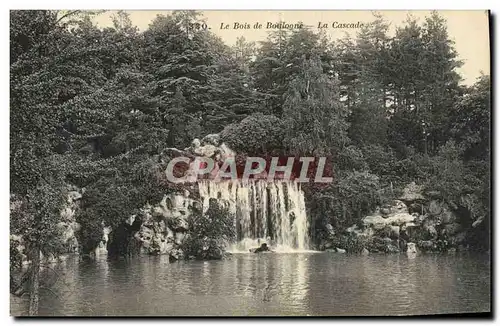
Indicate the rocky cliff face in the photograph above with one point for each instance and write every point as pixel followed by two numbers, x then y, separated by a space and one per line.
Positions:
pixel 161 229
pixel 67 226
pixel 165 226
pixel 413 223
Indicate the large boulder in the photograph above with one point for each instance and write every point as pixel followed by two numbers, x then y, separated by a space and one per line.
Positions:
pixel 206 150
pixel 165 225
pixel 175 209
pixel 411 247
pixel 153 236
pixel 379 222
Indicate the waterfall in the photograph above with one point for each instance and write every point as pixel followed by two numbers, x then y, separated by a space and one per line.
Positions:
pixel 265 212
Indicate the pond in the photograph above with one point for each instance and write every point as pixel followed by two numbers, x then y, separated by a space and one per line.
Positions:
pixel 270 284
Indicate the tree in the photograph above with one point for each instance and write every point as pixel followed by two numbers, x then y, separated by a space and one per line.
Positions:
pixel 424 83
pixel 470 120
pixel 315 119
pixel 182 61
pixel 367 96
pixel 244 52
pixel 38 89
pixel 279 61
pixel 232 96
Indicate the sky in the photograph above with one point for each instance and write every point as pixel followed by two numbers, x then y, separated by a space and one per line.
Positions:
pixel 468 29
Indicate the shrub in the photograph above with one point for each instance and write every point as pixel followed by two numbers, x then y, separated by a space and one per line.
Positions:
pixel 209 233
pixel 256 134
pixel 351 243
pixel 353 195
pixel 351 158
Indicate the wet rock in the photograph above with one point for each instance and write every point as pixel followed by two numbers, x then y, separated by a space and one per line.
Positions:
pixel 175 255
pixel 411 247
pixel 378 222
pixel 394 232
pixel 262 248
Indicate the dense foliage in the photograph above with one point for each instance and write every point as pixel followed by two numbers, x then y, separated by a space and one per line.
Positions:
pixel 257 134
pixel 209 233
pixel 95 108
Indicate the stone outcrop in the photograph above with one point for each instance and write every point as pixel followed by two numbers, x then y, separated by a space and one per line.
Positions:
pixel 165 226
pixel 411 224
pixel 67 226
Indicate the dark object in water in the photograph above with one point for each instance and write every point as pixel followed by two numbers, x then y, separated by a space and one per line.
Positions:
pixel 262 248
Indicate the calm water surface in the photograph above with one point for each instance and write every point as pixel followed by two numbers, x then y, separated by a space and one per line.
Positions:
pixel 270 284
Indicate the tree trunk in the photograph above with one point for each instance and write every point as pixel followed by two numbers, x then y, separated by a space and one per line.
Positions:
pixel 34 284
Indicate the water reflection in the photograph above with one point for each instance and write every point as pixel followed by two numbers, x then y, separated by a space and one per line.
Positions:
pixel 271 284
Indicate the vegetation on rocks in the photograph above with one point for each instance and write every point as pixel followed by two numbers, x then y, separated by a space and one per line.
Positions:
pixel 210 232
pixel 97 107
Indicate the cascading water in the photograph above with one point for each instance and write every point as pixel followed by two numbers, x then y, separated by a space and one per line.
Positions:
pixel 265 212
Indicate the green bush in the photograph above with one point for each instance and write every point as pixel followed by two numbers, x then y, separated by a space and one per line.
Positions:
pixel 209 233
pixel 351 158
pixel 352 196
pixel 380 160
pixel 351 243
pixel 256 134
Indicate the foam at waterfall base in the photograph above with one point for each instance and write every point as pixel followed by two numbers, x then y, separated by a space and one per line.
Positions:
pixel 246 244
pixel 262 209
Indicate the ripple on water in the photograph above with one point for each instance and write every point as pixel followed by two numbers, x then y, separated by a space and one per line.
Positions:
pixel 307 283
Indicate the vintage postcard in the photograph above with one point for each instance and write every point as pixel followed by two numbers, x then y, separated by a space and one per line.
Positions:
pixel 249 163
